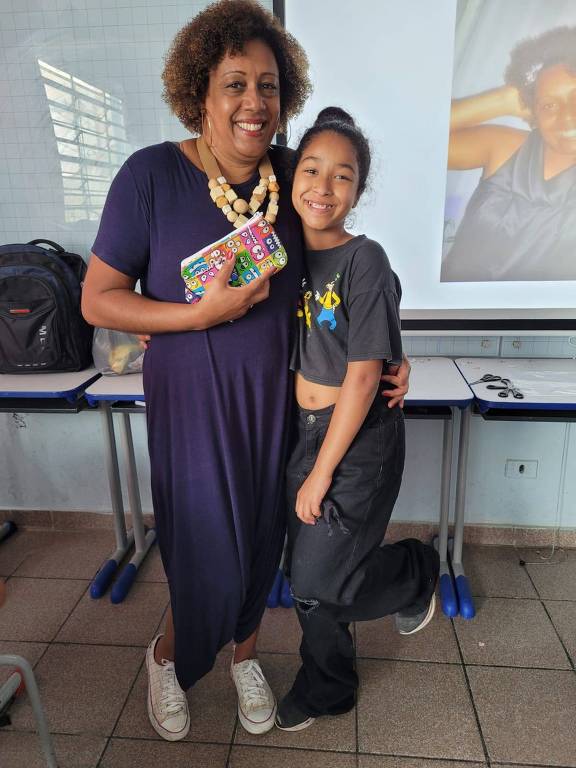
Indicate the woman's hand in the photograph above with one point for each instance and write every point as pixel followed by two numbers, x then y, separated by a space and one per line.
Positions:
pixel 399 377
pixel 222 302
pixel 143 339
pixel 311 495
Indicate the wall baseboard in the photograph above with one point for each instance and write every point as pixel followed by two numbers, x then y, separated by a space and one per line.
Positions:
pixel 486 535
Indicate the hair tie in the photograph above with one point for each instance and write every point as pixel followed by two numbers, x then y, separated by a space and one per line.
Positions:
pixel 533 72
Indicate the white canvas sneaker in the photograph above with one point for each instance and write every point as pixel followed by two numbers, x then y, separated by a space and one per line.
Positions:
pixel 256 702
pixel 167 704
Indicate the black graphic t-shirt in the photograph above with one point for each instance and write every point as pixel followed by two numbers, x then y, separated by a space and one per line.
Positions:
pixel 348 311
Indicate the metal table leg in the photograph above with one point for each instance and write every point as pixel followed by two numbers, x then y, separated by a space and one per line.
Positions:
pixel 124 540
pixel 447 594
pixel 143 539
pixel 467 609
pixel 25 673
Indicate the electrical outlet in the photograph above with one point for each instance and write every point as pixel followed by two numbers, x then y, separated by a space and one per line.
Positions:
pixel 521 468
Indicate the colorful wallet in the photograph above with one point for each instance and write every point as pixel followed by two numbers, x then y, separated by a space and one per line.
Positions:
pixel 255 246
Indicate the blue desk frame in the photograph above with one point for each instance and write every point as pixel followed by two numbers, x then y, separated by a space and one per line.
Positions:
pixel 540 408
pixel 455 596
pixel 106 394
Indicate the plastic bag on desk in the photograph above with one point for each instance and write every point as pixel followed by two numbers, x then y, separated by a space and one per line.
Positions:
pixel 116 352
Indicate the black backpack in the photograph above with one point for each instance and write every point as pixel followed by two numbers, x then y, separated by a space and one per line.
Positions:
pixel 41 326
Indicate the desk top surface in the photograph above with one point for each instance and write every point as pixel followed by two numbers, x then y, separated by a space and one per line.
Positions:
pixel 432 381
pixel 113 388
pixel 437 381
pixel 45 385
pixel 545 383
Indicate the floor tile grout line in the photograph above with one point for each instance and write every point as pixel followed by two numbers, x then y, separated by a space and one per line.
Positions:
pixel 104 750
pixel 458 760
pixel 468 664
pixel 292 748
pixel 551 620
pixel 51 578
pixel 529 765
pixel 356 657
pixel 536 598
pixel 128 694
pixel 118 737
pixel 569 657
pixel 232 742
pixel 89 579
pixel 76 604
pixel 471 695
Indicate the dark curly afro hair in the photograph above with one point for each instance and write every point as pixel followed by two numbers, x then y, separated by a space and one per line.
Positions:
pixel 225 28
pixel 532 56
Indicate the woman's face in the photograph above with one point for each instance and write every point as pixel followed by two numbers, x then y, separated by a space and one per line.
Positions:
pixel 243 104
pixel 555 109
pixel 325 186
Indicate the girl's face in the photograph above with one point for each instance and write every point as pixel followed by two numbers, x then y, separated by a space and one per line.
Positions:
pixel 325 186
pixel 243 103
pixel 555 109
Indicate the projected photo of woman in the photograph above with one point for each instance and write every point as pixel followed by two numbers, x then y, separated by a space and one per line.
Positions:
pixel 520 221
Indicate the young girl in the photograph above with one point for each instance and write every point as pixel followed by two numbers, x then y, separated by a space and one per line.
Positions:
pixel 345 470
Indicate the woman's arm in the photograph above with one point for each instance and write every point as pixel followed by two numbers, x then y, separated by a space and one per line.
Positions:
pixel 109 301
pixel 474 145
pixel 474 110
pixel 354 400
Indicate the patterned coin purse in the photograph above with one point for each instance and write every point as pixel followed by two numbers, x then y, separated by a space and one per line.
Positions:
pixel 255 246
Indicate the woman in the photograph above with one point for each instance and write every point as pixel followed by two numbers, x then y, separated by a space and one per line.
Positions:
pixel 520 223
pixel 217 392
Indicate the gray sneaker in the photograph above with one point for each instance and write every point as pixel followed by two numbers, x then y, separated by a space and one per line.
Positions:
pixel 409 625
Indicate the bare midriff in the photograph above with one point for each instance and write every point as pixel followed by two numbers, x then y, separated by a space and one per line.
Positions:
pixel 314 396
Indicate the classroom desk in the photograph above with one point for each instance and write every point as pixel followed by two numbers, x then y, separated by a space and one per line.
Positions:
pixel 437 390
pixel 119 393
pixel 42 393
pixel 548 386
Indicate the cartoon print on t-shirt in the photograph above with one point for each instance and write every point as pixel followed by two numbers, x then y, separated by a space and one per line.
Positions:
pixel 329 301
pixel 303 309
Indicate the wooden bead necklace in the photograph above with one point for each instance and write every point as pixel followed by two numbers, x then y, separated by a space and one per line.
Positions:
pixel 232 206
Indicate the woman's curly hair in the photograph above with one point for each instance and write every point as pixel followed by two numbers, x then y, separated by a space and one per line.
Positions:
pixel 535 54
pixel 226 27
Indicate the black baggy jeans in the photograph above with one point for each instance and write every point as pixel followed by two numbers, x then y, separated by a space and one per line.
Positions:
pixel 338 568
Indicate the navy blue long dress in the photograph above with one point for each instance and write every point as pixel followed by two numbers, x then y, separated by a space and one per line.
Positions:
pixel 217 404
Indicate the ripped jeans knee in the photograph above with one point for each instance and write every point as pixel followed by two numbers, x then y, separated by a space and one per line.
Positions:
pixel 304 605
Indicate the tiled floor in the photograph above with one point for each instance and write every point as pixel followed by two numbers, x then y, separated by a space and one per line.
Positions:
pixel 496 691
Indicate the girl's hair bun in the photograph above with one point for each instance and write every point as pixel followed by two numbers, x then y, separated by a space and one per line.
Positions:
pixel 334 115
